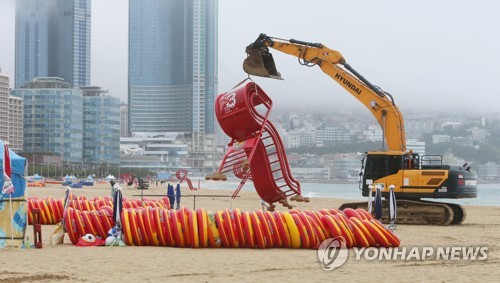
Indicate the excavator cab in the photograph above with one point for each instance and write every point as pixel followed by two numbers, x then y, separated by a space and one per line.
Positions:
pixel 260 63
pixel 378 165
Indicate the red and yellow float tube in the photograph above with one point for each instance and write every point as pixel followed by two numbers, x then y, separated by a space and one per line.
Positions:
pixel 201 215
pixel 282 230
pixel 194 239
pixel 222 229
pixel 70 222
pixel 293 230
pixel 214 238
pixel 177 229
pixel 230 227
pixel 393 239
pixel 278 242
pixel 151 230
pixel 160 226
pixel 266 229
pixel 247 227
pixel 257 229
pixel 169 228
pixel 239 227
pixel 127 229
pixel 304 236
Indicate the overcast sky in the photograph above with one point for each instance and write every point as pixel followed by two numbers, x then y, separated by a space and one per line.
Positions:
pixel 430 55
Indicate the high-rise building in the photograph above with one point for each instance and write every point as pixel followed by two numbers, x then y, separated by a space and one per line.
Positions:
pixel 101 126
pixel 16 116
pixel 123 120
pixel 172 65
pixel 53 40
pixel 53 118
pixel 4 107
pixel 11 116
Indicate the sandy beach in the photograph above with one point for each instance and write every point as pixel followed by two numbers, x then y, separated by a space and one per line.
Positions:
pixel 68 263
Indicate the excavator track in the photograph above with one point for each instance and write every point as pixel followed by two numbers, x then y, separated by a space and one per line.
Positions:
pixel 418 212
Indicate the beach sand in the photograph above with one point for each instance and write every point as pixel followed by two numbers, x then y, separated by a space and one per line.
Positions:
pixel 68 263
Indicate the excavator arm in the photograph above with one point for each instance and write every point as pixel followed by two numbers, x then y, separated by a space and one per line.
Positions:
pixel 381 104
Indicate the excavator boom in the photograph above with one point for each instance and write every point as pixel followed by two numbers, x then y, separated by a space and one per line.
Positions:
pixel 260 62
pixel 393 165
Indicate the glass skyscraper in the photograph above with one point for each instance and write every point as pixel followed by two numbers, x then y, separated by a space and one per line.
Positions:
pixel 53 40
pixel 172 65
pixel 53 118
pixel 101 120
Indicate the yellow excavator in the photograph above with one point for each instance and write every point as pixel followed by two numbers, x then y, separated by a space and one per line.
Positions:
pixel 414 177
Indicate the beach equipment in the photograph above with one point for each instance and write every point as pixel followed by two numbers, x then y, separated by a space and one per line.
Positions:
pixel 181 175
pixel 117 207
pixel 256 151
pixel 392 208
pixel 13 205
pixel 37 177
pixel 178 195
pixel 110 177
pixel 67 195
pixel 232 228
pixel 113 237
pixel 171 194
pixel 378 203
pixel 52 209
pixel 370 198
pixel 89 240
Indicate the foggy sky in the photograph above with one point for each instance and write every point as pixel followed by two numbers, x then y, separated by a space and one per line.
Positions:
pixel 430 55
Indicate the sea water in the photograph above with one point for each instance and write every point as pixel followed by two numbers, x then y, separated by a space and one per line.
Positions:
pixel 488 194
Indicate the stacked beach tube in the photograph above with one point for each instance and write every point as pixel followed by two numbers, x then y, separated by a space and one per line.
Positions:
pixel 155 226
pixel 51 209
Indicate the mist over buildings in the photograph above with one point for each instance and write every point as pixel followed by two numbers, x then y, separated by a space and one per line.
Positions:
pixel 431 56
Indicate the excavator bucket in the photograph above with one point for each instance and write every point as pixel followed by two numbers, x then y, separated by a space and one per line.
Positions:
pixel 260 63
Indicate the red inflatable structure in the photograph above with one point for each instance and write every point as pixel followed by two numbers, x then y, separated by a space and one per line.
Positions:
pixel 256 151
pixel 181 175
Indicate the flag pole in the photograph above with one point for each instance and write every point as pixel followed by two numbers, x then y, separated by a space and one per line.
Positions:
pixel 11 222
pixel 8 187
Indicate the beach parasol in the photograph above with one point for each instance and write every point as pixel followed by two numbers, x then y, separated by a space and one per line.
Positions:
pixel 178 195
pixel 8 187
pixel 378 203
pixel 171 194
pixel 115 233
pixel 392 208
pixel 110 177
pixel 117 206
pixel 370 198
pixel 37 177
pixel 66 203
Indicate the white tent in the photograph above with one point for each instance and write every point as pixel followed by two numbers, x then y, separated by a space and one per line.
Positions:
pixel 37 177
pixel 110 177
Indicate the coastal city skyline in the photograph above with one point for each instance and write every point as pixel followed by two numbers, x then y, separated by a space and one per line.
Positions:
pixel 173 52
pixel 419 60
pixel 133 137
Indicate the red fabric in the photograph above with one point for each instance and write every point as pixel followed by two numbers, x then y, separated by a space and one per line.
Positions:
pixel 83 242
pixel 6 165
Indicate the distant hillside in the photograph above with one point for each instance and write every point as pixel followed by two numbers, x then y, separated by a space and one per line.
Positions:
pixel 351 147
